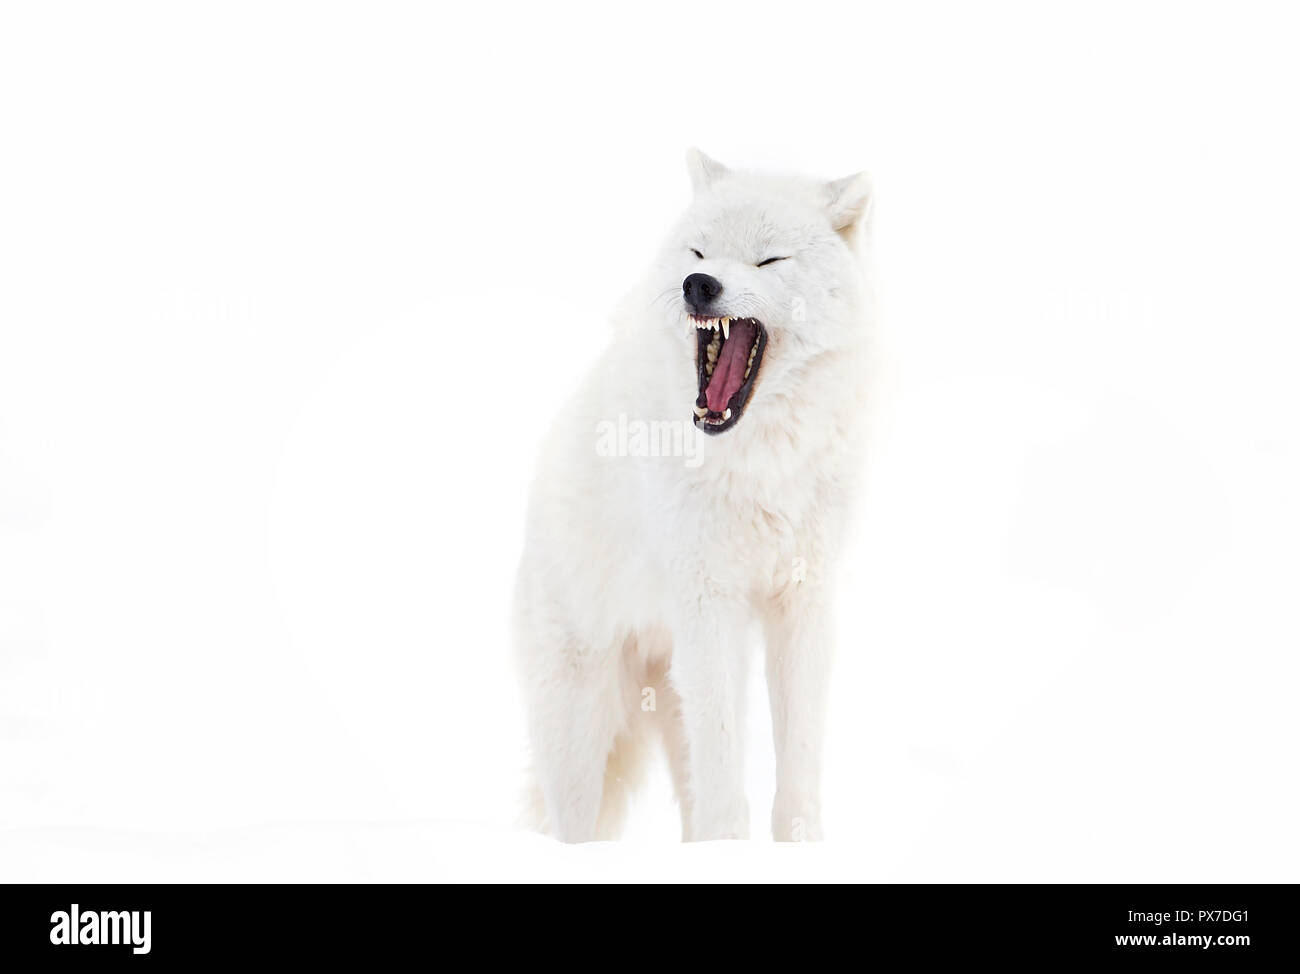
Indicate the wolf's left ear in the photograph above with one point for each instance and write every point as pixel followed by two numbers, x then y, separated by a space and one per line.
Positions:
pixel 848 201
pixel 703 170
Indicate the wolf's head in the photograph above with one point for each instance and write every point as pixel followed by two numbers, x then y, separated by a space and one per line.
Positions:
pixel 763 267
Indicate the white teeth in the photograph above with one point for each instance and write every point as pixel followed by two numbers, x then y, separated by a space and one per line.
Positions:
pixel 726 415
pixel 701 412
pixel 726 328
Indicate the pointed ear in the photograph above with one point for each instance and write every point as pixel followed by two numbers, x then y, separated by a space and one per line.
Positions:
pixel 703 170
pixel 848 200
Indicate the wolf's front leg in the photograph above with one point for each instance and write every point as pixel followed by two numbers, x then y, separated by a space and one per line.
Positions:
pixel 708 673
pixel 798 674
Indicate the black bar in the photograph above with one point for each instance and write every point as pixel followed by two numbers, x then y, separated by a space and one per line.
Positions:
pixel 1243 925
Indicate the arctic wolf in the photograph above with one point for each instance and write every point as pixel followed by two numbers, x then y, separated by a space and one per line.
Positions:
pixel 646 576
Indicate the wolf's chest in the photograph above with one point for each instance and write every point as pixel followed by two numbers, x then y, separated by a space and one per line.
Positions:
pixel 737 533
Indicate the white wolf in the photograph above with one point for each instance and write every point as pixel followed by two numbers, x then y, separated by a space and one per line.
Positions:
pixel 645 577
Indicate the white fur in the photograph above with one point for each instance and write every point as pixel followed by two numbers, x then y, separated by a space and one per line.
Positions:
pixel 652 572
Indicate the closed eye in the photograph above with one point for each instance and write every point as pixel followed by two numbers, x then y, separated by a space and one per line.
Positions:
pixel 771 260
pixel 697 253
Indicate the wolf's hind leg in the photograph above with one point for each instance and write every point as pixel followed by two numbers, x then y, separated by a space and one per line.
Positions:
pixel 666 718
pixel 624 771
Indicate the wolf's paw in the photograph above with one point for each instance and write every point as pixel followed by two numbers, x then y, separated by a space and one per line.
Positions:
pixel 796 821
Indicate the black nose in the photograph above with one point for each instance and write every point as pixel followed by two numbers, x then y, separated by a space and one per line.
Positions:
pixel 700 290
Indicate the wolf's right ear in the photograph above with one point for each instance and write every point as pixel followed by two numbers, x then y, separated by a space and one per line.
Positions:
pixel 703 170
pixel 847 201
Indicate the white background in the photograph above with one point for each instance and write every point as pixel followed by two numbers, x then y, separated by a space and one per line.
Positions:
pixel 288 294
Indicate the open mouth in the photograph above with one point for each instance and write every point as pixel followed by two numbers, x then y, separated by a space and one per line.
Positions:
pixel 729 352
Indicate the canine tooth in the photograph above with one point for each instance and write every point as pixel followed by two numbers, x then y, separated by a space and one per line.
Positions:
pixel 726 415
pixel 701 412
pixel 726 328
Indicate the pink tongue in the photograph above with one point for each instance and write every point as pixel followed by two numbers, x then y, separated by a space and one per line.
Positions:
pixel 729 373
